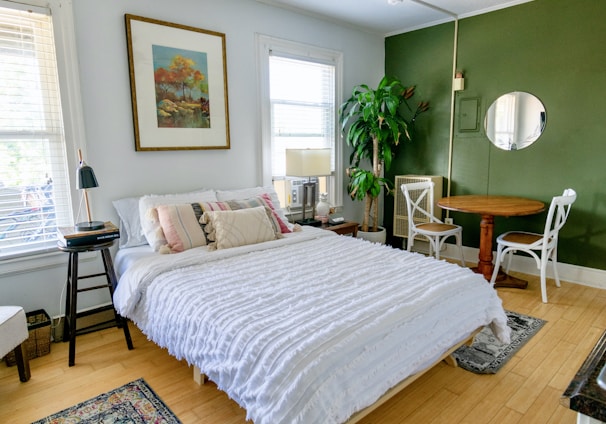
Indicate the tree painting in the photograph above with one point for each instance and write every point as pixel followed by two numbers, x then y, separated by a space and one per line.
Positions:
pixel 181 87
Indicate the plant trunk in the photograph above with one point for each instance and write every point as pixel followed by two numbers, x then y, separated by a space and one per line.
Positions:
pixel 376 170
pixel 371 208
pixel 367 209
pixel 375 223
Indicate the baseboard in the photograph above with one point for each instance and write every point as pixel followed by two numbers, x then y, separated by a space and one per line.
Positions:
pixel 591 277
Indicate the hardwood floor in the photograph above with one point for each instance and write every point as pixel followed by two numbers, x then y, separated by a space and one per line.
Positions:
pixel 526 390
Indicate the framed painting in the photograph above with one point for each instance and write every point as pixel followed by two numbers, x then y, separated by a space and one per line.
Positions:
pixel 178 82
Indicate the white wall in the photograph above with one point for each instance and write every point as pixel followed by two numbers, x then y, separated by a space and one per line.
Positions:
pixel 122 172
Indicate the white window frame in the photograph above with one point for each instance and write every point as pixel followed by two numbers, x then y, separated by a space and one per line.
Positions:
pixel 73 120
pixel 267 44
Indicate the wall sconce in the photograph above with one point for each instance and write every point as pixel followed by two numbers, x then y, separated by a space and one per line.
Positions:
pixel 458 84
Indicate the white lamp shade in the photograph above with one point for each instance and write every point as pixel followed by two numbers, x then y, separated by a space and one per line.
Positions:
pixel 308 162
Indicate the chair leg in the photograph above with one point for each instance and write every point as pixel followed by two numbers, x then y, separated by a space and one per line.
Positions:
pixel 22 362
pixel 554 263
pixel 435 246
pixel 497 265
pixel 509 258
pixel 544 280
pixel 460 245
pixel 556 277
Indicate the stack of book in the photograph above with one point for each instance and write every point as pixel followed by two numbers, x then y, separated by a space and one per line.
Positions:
pixel 70 237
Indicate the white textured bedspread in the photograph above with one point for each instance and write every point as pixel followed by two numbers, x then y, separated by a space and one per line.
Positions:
pixel 309 328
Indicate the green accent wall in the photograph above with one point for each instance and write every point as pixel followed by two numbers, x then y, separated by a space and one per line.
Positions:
pixel 553 49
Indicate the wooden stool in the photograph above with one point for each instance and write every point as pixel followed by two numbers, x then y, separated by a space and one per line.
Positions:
pixel 71 315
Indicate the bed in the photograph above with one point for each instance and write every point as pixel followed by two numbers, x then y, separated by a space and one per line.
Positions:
pixel 309 327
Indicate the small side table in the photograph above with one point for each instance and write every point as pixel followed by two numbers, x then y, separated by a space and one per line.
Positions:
pixel 71 297
pixel 348 227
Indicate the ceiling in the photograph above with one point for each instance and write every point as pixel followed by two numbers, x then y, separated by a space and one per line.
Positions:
pixel 379 16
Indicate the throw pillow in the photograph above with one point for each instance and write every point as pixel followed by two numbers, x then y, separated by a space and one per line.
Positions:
pixel 238 228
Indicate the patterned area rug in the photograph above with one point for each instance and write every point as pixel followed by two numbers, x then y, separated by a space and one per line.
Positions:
pixel 132 403
pixel 487 355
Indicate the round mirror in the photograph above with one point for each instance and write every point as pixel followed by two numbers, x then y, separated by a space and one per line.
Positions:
pixel 515 120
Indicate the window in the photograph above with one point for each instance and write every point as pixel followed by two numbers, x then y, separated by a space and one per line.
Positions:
pixel 300 87
pixel 34 176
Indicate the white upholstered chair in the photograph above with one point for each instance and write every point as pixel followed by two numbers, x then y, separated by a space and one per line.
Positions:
pixel 13 332
pixel 417 195
pixel 542 247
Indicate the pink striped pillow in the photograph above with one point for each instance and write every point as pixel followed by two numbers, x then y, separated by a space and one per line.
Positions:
pixel 283 226
pixel 181 227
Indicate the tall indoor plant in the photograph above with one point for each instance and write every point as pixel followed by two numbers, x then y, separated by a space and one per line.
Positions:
pixel 373 122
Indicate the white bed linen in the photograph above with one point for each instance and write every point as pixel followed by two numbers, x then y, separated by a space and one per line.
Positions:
pixel 125 258
pixel 309 328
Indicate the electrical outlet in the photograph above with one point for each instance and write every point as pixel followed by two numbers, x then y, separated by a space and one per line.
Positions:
pixel 448 221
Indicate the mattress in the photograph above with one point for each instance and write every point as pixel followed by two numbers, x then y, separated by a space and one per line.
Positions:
pixel 310 328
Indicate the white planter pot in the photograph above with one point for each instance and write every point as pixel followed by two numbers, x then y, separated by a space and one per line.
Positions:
pixel 374 236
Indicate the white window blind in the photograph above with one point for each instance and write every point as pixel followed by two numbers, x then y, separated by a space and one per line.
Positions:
pixel 34 185
pixel 302 98
pixel 300 86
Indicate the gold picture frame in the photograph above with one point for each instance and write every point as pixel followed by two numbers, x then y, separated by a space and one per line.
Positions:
pixel 178 82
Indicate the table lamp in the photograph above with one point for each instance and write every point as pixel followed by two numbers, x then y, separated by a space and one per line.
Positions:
pixel 308 163
pixel 86 179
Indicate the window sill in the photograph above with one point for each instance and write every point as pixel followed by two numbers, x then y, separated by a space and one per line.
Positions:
pixel 36 262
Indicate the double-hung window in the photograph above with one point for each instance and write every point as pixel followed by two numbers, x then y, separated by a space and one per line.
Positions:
pixel 34 181
pixel 299 92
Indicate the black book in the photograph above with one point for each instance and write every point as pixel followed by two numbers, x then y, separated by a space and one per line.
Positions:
pixel 70 237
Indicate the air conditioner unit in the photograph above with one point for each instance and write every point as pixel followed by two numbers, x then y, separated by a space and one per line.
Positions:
pixel 400 214
pixel 295 191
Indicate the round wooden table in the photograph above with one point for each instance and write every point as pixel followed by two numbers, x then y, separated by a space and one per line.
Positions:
pixel 488 207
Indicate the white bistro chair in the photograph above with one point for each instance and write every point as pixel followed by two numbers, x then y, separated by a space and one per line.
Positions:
pixel 542 247
pixel 13 332
pixel 419 205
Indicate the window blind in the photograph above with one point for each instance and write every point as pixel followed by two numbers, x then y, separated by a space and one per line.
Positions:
pixel 302 102
pixel 34 186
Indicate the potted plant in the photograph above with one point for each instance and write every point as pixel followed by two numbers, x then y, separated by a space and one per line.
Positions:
pixel 373 122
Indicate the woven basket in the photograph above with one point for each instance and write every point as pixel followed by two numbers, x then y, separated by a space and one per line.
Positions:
pixel 39 340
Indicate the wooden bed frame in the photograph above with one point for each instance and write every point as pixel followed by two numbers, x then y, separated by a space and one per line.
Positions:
pixel 446 357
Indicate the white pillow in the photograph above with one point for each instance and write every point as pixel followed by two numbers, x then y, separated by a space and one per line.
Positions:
pixel 245 193
pixel 130 224
pixel 148 215
pixel 238 228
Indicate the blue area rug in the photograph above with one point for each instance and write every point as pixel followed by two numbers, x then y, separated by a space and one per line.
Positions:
pixel 133 403
pixel 487 355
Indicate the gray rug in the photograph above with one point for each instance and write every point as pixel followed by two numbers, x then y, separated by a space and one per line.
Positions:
pixel 487 355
